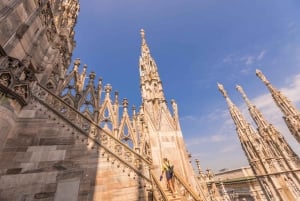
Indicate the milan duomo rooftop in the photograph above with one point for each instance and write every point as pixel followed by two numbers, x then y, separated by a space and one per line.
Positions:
pixel 67 138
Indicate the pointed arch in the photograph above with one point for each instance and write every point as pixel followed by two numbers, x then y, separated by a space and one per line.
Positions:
pixel 51 85
pixel 69 87
pixel 107 116
pixel 88 101
pixel 68 99
pixel 126 132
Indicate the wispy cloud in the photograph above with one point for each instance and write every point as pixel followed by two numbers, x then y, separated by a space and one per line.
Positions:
pixel 247 60
pixel 244 60
pixel 293 26
pixel 228 59
pixel 207 139
pixel 189 118
pixel 230 148
pixel 261 55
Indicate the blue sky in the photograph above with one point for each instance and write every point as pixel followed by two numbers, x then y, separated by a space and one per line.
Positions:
pixel 197 43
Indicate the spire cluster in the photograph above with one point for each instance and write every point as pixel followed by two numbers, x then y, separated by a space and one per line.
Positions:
pixel 266 149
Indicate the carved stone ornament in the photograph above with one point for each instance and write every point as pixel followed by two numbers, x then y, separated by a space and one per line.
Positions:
pixel 15 79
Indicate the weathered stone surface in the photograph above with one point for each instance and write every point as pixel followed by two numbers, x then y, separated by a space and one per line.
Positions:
pixel 56 141
pixel 21 140
pixel 14 171
pixel 44 195
pixel 16 181
pixel 27 114
pixel 67 190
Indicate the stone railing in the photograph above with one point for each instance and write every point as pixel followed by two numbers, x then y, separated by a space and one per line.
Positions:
pixel 157 190
pixel 184 189
pixel 115 150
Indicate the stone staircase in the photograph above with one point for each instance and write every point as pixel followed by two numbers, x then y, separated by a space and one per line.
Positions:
pixel 112 149
pixel 173 197
pixel 92 134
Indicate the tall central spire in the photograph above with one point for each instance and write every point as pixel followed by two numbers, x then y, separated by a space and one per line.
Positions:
pixel 164 132
pixel 151 85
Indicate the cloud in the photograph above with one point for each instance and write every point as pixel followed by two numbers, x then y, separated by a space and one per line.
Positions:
pixel 207 139
pixel 293 27
pixel 217 138
pixel 188 118
pixel 230 148
pixel 228 59
pixel 293 89
pixel 247 60
pixel 261 55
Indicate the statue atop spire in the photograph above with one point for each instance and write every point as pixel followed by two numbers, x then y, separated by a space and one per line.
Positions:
pixel 241 90
pixel 222 90
pixel 262 76
pixel 143 36
pixel 145 51
pixel 225 95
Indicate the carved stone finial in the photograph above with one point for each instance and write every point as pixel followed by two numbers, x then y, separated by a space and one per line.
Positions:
pixel 116 97
pixel 142 35
pixel 77 61
pixel 240 89
pixel 76 64
pixel 222 90
pixel 108 88
pixel 209 174
pixel 92 75
pixel 125 102
pixel 198 166
pixel 134 110
pixel 84 67
pixel 174 106
pixel 100 82
pixel 261 76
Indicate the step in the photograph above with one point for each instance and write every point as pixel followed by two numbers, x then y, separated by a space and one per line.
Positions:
pixel 171 197
pixel 175 199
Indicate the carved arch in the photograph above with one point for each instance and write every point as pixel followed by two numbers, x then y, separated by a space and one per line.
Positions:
pixel 126 132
